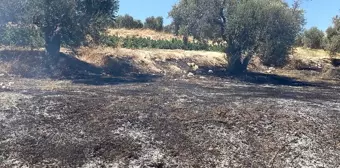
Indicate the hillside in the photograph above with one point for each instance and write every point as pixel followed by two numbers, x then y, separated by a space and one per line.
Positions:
pixel 117 107
pixel 305 64
pixel 146 33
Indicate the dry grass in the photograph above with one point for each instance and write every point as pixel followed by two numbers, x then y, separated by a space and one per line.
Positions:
pixel 312 54
pixel 307 76
pixel 146 33
pixel 312 65
pixel 152 60
pixel 172 61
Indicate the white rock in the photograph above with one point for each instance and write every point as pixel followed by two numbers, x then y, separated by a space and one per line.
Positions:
pixel 190 64
pixel 210 71
pixel 190 74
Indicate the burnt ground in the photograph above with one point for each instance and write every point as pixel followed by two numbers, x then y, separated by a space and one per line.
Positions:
pixel 78 115
pixel 168 122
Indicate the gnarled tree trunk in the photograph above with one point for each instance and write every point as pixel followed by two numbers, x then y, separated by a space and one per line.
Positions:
pixel 53 41
pixel 238 64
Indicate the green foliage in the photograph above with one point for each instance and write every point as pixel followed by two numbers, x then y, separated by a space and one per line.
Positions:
pixel 313 38
pixel 154 23
pixel 334 45
pixel 111 41
pixel 23 36
pixel 128 22
pixel 63 21
pixel 169 29
pixel 11 11
pixel 333 37
pixel 279 27
pixel 200 19
pixel 139 42
pixel 299 40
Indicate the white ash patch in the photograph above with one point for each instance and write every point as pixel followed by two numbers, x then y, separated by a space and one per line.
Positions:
pixel 9 100
pixel 149 154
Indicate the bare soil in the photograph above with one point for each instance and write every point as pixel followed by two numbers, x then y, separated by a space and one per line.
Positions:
pixel 139 121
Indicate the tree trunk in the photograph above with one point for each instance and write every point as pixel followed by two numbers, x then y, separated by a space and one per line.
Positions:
pixel 53 42
pixel 185 41
pixel 237 65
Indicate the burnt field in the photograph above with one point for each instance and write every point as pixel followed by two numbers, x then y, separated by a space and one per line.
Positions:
pixel 168 122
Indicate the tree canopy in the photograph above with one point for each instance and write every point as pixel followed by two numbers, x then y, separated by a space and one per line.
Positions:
pixel 312 38
pixel 128 22
pixel 154 23
pixel 62 21
pixel 198 18
pixel 266 28
pixel 333 36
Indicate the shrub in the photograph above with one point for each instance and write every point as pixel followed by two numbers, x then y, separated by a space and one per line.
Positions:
pixel 128 22
pixel 313 38
pixel 169 29
pixel 111 41
pixel 154 23
pixel 334 44
pixel 333 36
pixel 22 36
pixel 140 42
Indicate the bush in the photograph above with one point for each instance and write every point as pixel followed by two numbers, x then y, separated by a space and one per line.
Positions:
pixel 313 38
pixel 333 37
pixel 21 36
pixel 169 29
pixel 128 22
pixel 111 41
pixel 154 23
pixel 140 42
pixel 334 45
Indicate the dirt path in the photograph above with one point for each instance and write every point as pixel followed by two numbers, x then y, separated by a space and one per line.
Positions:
pixel 208 122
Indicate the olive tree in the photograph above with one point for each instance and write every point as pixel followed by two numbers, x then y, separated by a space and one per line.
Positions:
pixel 312 38
pixel 62 21
pixel 154 23
pixel 333 36
pixel 200 19
pixel 266 28
pixel 128 22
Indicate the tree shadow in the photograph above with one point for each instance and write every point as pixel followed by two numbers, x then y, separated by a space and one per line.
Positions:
pixel 335 62
pixel 35 64
pixel 257 77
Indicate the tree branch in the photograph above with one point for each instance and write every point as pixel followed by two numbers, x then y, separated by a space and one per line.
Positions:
pixel 223 22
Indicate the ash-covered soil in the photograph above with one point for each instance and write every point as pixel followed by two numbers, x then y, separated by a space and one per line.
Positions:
pixel 184 122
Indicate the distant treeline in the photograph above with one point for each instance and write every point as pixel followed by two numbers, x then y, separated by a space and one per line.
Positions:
pixel 32 37
pixel 314 38
pixel 128 22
